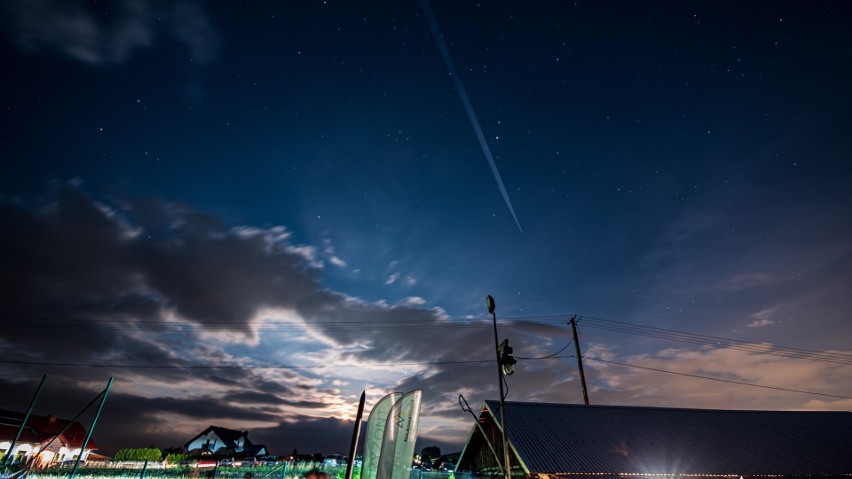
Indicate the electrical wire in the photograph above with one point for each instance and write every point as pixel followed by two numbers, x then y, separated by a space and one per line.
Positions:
pixel 742 383
pixel 716 341
pixel 426 363
pixel 232 366
pixel 355 325
pixel 17 321
pixel 550 355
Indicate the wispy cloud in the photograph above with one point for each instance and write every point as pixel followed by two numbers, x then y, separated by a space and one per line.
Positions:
pixel 762 318
pixel 650 386
pixel 107 33
pixel 759 323
pixel 743 281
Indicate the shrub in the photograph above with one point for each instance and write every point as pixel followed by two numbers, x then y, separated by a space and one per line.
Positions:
pixel 176 458
pixel 139 454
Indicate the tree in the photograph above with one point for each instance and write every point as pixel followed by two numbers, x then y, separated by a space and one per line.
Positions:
pixel 431 452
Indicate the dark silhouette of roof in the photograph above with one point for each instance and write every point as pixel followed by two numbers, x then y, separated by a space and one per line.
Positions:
pixel 229 438
pixel 41 429
pixel 577 439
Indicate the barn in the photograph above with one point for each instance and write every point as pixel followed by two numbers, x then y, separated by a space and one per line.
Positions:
pixel 575 441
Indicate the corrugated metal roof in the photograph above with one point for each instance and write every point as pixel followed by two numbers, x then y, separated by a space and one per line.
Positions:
pixel 569 438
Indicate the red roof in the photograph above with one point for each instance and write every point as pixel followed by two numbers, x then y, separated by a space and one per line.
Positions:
pixel 41 429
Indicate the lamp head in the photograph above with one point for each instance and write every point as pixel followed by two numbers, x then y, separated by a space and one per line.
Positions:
pixel 489 301
pixel 507 361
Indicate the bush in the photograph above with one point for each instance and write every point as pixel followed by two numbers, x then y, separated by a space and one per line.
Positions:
pixel 176 458
pixel 139 454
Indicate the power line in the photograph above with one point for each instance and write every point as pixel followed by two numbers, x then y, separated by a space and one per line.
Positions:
pixel 716 341
pixel 742 383
pixel 233 366
pixel 157 325
pixel 149 325
pixel 551 355
pixel 425 363
pixel 707 337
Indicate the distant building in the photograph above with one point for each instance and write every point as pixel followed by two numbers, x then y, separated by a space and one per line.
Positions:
pixel 44 440
pixel 560 440
pixel 223 441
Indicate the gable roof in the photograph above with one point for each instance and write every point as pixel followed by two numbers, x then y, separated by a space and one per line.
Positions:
pixel 228 436
pixel 255 450
pixel 41 429
pixel 577 439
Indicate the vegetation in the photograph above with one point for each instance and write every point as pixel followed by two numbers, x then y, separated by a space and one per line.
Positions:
pixel 141 454
pixel 176 458
pixel 280 471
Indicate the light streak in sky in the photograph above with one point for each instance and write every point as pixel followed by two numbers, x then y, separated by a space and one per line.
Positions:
pixel 445 53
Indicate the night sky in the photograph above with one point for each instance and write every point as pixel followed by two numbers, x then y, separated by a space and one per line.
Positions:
pixel 249 212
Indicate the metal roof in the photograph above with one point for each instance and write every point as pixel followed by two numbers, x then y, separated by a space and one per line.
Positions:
pixel 578 439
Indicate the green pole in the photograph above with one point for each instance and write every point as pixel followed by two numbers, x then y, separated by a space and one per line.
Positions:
pixel 24 422
pixel 92 428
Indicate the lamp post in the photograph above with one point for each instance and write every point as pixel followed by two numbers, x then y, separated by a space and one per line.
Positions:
pixel 505 365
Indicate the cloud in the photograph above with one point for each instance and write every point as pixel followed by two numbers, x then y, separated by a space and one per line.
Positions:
pixel 204 323
pixel 395 276
pixel 107 33
pixel 414 301
pixel 743 281
pixel 201 323
pixel 759 323
pixel 762 318
pixel 618 384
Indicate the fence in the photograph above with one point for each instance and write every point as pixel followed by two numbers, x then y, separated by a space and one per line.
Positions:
pixel 161 470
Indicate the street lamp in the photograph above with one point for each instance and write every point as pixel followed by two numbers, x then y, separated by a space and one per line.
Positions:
pixel 504 357
pixel 505 365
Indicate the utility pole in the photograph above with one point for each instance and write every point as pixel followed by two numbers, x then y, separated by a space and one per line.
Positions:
pixel 507 468
pixel 573 323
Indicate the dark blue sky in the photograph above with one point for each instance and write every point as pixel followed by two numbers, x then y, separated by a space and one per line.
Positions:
pixel 301 185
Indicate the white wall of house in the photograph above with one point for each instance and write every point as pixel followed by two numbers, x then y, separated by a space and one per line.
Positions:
pixel 67 454
pixel 209 441
pixel 45 457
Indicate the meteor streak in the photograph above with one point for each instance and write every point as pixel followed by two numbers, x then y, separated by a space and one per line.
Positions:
pixel 474 122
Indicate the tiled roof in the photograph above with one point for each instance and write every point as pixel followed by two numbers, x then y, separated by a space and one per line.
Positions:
pixel 572 439
pixel 40 429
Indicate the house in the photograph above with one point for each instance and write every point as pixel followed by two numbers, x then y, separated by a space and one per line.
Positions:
pixel 223 441
pixel 44 440
pixel 560 440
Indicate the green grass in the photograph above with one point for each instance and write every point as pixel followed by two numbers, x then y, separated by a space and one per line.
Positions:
pixel 292 471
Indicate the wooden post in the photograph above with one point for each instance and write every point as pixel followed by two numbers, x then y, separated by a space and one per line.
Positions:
pixel 573 324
